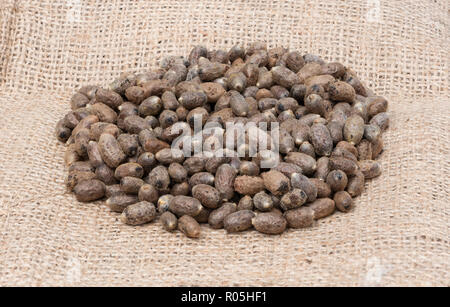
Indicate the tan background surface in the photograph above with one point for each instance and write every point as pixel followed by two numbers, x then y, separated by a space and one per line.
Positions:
pixel 398 234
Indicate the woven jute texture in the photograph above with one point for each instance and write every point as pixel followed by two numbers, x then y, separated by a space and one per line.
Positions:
pixel 398 233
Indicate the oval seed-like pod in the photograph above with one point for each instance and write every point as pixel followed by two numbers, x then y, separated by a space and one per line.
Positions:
pixel 336 131
pixel 169 221
pixel 106 174
pixel 294 61
pixel 207 195
pixel 159 178
pixel 267 104
pixel 70 120
pixel 197 116
pixel 343 201
pixel 73 178
pixel 78 100
pixel 169 101
pixel 239 221
pixel 97 129
pixel 372 133
pixel 263 93
pixel 376 105
pixel 129 169
pixel 341 91
pixel 269 223
pixel 177 172
pixel 265 80
pixel 155 87
pixel 322 207
pixel 148 193
pixel 184 205
pixel 89 190
pixel 146 160
pixel 315 104
pixel 82 138
pixel 163 203
pixel 131 185
pixel 381 120
pixel 323 188
pixel 151 106
pixel 169 155
pixel 213 91
pixel 122 83
pixel 237 81
pixel 279 92
pixel 108 97
pixel 93 151
pixel 300 217
pixel 224 181
pixel 307 148
pixel 286 104
pixel 201 178
pixel 196 53
pixel 339 163
pixel 337 180
pixel 103 112
pixel 336 69
pixel 81 166
pixel 370 168
pixel 203 216
pixel 377 148
pixel 340 152
pixel 180 189
pixel 306 162
pixel 286 142
pixel 211 71
pixel 349 147
pixel 364 150
pixel 192 100
pixel 301 134
pixel 110 150
pixel 135 124
pixel 293 199
pixel 139 213
pixel 262 201
pixel 354 129
pixel 113 189
pixel 153 145
pixel 276 182
pixel 119 202
pixel 71 156
pixel 236 52
pixel 323 168
pixel 298 92
pixel 189 226
pixel 128 143
pixel 308 70
pixel 284 76
pixel 355 185
pixel 299 181
pixel 194 165
pixel 321 139
pixel 287 169
pixel 238 104
pixel 248 168
pixel 167 118
pixel 245 203
pixel 217 216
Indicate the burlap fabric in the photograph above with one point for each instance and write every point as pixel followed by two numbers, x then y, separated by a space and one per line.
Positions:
pixel 398 234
